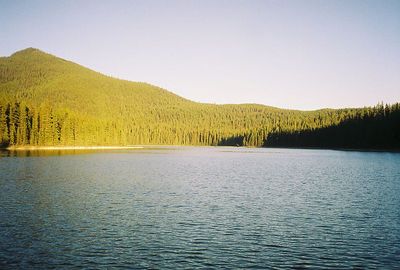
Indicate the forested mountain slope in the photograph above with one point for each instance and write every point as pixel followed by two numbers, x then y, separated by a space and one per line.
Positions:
pixel 48 101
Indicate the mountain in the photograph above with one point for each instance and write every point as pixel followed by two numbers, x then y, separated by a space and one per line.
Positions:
pixel 49 101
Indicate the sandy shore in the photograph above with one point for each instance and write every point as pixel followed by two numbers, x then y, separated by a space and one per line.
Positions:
pixel 24 148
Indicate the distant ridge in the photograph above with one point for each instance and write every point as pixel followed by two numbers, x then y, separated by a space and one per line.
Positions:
pixel 49 101
pixel 29 50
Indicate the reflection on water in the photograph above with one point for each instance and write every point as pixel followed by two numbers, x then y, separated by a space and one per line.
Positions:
pixel 190 207
pixel 61 152
pixel 42 153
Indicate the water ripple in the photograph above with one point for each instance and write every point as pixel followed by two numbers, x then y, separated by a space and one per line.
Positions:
pixel 202 208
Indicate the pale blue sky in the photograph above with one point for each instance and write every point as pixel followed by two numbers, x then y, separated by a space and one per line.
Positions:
pixel 289 54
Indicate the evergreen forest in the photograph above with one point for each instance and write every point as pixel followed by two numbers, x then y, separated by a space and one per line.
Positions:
pixel 49 101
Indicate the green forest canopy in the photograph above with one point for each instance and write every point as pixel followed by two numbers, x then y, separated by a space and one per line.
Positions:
pixel 48 101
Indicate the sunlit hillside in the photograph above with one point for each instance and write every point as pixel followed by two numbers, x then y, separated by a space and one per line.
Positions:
pixel 46 100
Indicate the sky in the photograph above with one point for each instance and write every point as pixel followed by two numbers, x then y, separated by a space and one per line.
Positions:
pixel 289 54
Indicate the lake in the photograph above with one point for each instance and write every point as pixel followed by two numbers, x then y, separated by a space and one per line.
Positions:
pixel 200 207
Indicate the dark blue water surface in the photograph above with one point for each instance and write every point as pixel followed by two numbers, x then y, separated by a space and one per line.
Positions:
pixel 193 207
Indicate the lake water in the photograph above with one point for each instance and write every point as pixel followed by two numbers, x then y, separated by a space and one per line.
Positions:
pixel 188 207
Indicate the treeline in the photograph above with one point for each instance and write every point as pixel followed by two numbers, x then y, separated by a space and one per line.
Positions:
pixel 376 127
pixel 48 101
pixel 370 128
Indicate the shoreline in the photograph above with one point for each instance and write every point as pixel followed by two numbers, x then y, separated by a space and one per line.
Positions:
pixel 394 150
pixel 53 148
pixel 104 147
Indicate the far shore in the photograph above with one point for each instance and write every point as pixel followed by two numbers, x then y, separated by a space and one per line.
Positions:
pixel 25 148
pixel 127 147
